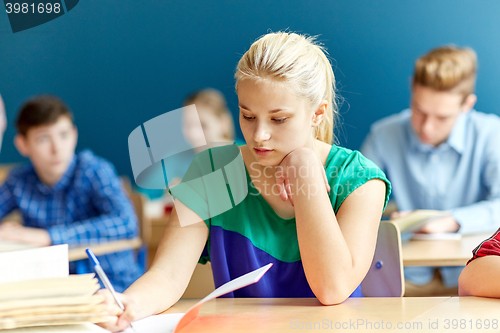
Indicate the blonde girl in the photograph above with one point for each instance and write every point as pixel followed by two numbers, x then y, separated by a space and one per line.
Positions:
pixel 312 209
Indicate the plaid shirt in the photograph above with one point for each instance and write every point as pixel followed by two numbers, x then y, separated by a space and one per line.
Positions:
pixel 489 247
pixel 87 206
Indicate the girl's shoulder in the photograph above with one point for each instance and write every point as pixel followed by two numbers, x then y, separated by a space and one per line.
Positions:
pixel 347 170
pixel 341 157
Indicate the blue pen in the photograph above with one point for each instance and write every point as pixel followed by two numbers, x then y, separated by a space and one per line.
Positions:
pixel 104 279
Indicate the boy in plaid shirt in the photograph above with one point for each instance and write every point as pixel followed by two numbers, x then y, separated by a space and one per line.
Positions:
pixel 63 197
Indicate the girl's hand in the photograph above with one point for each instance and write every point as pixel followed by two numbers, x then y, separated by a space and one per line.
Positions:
pixel 122 319
pixel 301 162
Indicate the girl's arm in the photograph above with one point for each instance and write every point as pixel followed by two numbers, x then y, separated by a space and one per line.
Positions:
pixel 481 278
pixel 165 282
pixel 336 251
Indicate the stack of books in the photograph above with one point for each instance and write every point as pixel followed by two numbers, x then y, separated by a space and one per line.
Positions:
pixel 55 301
pixel 37 294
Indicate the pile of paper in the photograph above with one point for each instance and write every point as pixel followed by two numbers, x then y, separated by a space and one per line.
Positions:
pixel 55 301
pixel 37 294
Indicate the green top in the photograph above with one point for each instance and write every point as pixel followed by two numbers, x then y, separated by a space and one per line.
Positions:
pixel 230 201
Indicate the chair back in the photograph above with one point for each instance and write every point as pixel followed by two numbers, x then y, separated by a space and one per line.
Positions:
pixel 385 277
pixel 139 202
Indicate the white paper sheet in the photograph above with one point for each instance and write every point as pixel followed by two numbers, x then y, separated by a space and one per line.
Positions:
pixel 37 263
pixel 239 282
pixel 164 323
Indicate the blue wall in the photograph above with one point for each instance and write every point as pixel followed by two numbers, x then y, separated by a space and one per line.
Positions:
pixel 120 63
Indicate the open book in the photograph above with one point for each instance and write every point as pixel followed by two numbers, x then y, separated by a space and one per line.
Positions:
pixel 174 322
pixel 415 220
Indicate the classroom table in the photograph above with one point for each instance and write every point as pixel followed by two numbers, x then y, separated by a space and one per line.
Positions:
pixel 369 314
pixel 441 252
pixel 77 253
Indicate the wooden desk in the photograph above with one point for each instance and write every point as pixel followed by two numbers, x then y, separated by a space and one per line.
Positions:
pixel 441 252
pixel 78 253
pixel 464 314
pixel 355 314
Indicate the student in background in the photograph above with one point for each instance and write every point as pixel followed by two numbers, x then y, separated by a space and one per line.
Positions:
pixel 321 239
pixel 216 121
pixel 217 124
pixel 441 154
pixel 215 118
pixel 63 197
pixel 481 276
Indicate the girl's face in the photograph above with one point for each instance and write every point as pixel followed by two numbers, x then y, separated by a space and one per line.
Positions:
pixel 273 120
